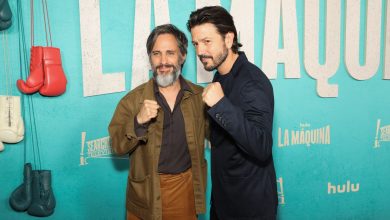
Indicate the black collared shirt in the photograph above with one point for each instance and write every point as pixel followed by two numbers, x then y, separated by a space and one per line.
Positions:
pixel 174 155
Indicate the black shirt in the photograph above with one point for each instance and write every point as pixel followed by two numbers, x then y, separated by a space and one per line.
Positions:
pixel 174 155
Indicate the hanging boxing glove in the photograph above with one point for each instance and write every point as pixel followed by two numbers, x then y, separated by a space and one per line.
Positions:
pixel 5 15
pixel 5 11
pixel 11 121
pixel 5 24
pixel 43 201
pixel 54 79
pixel 21 197
pixel 35 80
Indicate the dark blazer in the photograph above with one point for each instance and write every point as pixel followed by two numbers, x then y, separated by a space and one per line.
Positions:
pixel 242 167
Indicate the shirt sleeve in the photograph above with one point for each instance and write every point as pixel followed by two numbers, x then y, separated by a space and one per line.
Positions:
pixel 140 129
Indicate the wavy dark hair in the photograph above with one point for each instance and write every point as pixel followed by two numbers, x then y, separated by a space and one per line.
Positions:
pixel 181 38
pixel 219 17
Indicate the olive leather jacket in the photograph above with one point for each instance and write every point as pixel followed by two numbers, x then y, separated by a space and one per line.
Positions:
pixel 143 186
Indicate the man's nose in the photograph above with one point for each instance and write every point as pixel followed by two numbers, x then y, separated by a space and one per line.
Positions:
pixel 164 59
pixel 200 49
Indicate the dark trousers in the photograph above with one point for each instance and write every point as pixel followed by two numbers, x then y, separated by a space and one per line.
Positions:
pixel 213 214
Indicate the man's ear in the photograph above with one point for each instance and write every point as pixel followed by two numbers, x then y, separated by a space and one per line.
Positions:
pixel 229 38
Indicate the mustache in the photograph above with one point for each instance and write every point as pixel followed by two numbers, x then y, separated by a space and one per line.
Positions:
pixel 205 56
pixel 164 65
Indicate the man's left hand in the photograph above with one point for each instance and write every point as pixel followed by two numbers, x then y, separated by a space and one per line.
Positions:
pixel 212 94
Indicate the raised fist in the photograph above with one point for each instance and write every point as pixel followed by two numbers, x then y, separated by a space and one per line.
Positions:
pixel 212 94
pixel 149 110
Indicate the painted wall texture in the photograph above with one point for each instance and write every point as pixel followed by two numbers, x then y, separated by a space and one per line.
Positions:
pixel 328 61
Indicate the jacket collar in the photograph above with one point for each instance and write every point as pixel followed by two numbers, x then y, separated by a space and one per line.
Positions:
pixel 183 85
pixel 241 59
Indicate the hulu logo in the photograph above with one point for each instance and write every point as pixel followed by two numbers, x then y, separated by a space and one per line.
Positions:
pixel 344 188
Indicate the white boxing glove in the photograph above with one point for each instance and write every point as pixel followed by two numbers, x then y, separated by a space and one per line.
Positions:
pixel 11 121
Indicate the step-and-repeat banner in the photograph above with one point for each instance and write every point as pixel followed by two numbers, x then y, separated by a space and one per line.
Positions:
pixel 328 61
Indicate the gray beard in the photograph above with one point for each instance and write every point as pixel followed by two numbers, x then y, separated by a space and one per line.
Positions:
pixel 167 80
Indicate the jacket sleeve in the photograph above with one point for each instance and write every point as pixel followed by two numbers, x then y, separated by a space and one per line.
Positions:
pixel 250 125
pixel 121 129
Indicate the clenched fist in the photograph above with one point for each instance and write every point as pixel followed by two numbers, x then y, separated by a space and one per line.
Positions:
pixel 149 110
pixel 212 93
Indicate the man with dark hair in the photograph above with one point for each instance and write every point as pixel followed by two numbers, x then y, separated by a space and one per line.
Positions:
pixel 241 108
pixel 161 125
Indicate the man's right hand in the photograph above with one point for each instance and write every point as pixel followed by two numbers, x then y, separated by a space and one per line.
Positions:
pixel 149 110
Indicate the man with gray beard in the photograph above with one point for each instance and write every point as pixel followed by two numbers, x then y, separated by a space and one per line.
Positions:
pixel 161 125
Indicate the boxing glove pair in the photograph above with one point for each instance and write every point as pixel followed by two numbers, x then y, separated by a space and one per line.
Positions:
pixel 46 73
pixel 35 194
pixel 5 15
pixel 11 121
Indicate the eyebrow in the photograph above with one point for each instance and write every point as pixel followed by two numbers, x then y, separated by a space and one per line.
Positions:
pixel 202 39
pixel 159 51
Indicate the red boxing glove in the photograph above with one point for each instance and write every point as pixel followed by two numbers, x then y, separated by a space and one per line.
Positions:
pixel 54 76
pixel 35 80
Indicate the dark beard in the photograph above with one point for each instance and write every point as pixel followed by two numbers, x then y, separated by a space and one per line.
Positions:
pixel 218 60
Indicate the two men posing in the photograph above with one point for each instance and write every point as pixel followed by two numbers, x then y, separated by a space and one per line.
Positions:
pixel 162 125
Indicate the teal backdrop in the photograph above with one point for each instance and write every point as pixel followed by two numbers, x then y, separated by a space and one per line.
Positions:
pixel 331 149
